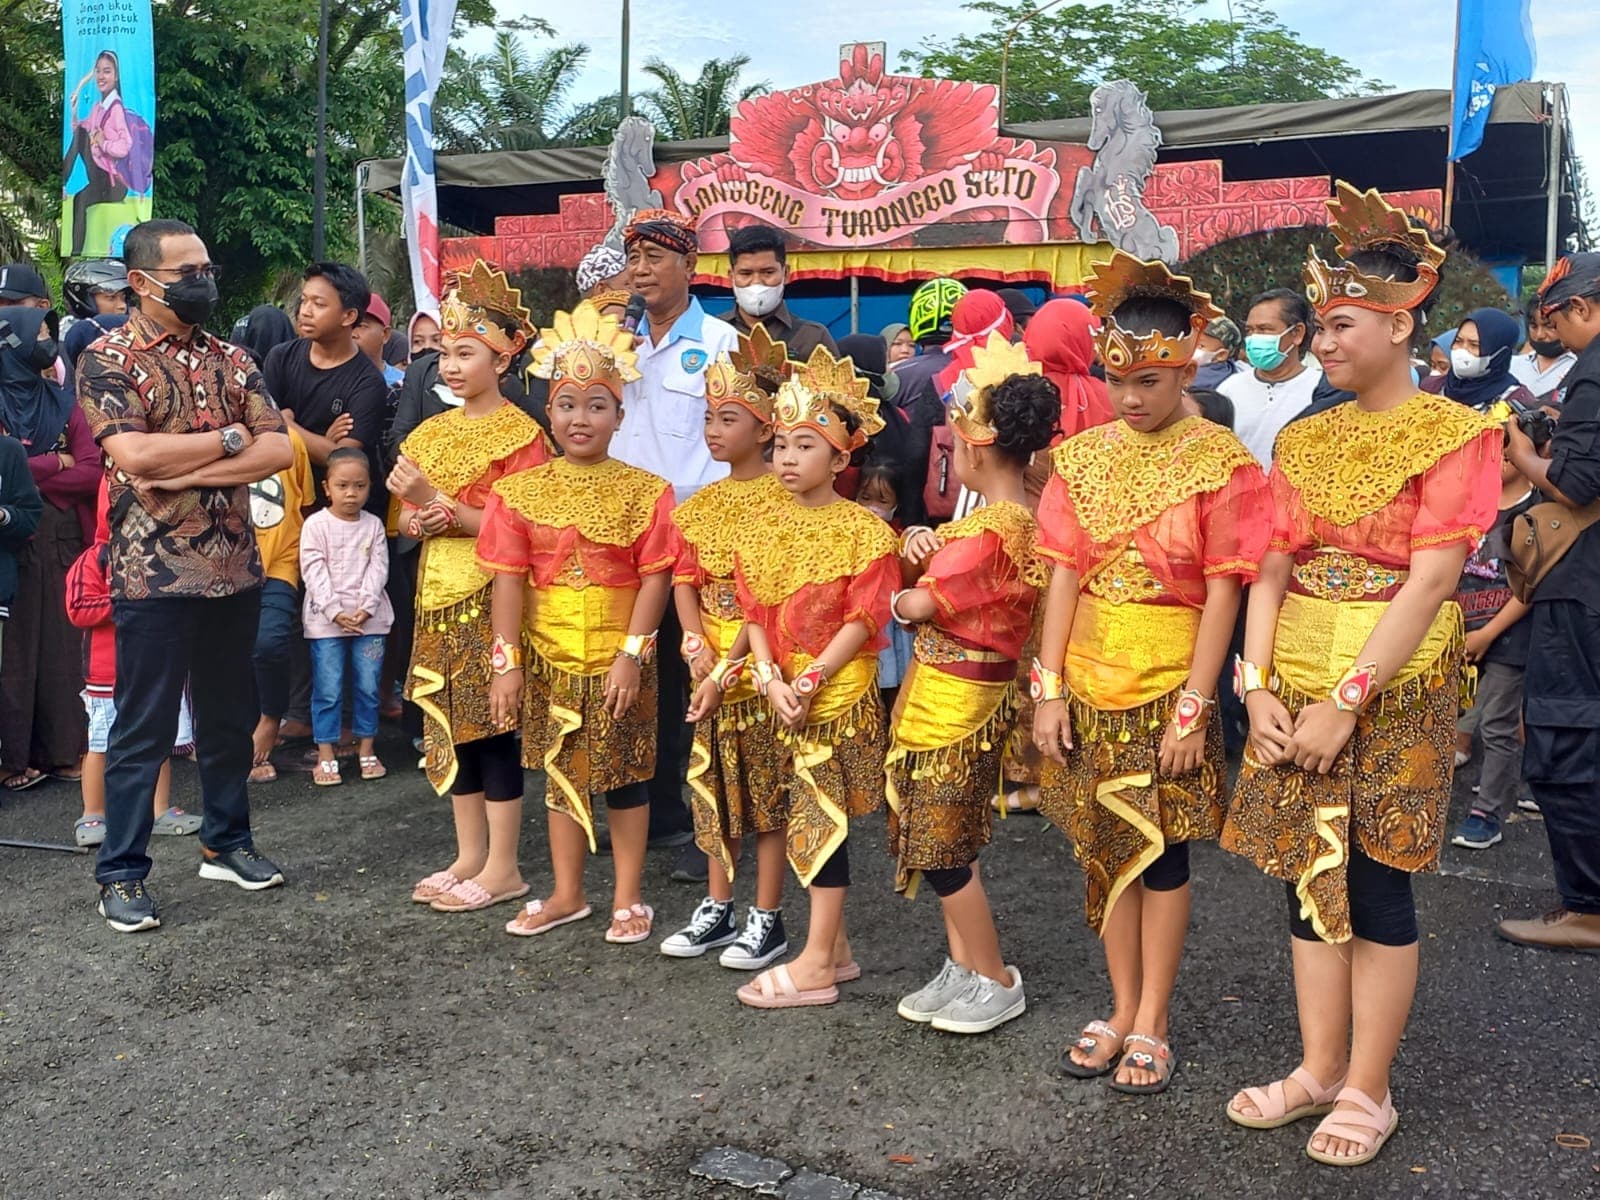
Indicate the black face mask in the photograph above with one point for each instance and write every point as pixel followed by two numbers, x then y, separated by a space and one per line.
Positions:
pixel 191 300
pixel 1550 349
pixel 44 353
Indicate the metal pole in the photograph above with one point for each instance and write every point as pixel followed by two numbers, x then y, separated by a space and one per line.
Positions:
pixel 855 304
pixel 361 216
pixel 625 106
pixel 1552 212
pixel 1450 145
pixel 319 174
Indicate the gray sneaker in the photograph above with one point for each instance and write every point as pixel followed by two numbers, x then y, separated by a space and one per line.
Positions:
pixel 950 982
pixel 984 1005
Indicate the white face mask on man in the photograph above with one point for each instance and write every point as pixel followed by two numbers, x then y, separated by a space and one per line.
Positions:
pixel 1469 366
pixel 758 299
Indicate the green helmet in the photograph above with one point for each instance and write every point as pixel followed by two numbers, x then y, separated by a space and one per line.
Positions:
pixel 931 306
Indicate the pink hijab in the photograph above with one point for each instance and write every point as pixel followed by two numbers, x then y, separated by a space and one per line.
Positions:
pixel 1060 338
pixel 975 316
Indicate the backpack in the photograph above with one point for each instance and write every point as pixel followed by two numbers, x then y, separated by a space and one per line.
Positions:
pixel 941 489
pixel 137 168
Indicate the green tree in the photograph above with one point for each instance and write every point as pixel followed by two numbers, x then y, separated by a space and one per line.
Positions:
pixel 683 109
pixel 506 99
pixel 1180 57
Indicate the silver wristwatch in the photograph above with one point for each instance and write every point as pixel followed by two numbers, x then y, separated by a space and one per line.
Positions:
pixel 232 442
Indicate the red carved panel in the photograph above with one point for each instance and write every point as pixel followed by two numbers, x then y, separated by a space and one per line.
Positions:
pixel 586 213
pixel 1180 185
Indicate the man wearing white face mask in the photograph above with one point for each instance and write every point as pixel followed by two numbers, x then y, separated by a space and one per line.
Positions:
pixel 1281 385
pixel 758 262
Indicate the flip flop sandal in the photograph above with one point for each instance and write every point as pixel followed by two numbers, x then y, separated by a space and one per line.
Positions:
pixel 776 989
pixel 327 773
pixel 176 823
pixel 89 831
pixel 1016 801
pixel 632 913
pixel 1370 1128
pixel 533 908
pixel 371 768
pixel 848 973
pixel 434 886
pixel 23 780
pixel 1159 1060
pixel 1272 1102
pixel 470 896
pixel 1089 1042
pixel 263 773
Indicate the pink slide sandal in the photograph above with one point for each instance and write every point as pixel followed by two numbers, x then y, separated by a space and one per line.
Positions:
pixel 776 989
pixel 1272 1101
pixel 1369 1127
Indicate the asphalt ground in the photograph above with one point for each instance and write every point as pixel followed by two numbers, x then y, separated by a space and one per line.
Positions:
pixel 329 1038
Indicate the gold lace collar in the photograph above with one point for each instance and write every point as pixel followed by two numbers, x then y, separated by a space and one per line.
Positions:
pixel 723 516
pixel 1013 524
pixel 814 546
pixel 610 503
pixel 1348 463
pixel 1121 479
pixel 454 450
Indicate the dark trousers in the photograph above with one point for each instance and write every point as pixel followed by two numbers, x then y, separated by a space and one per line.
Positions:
pixel 402 588
pixel 159 644
pixel 668 812
pixel 1561 760
pixel 277 632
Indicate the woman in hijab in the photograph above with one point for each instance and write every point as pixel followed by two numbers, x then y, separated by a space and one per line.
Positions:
pixel 41 672
pixel 897 337
pixel 1480 362
pixel 1060 338
pixel 264 327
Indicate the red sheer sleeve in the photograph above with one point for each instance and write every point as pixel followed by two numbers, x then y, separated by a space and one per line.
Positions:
pixel 965 575
pixel 867 597
pixel 1236 523
pixel 687 569
pixel 1058 525
pixel 658 549
pixel 1290 523
pixel 503 544
pixel 1458 498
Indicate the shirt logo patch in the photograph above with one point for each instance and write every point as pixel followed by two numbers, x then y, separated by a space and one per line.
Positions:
pixel 693 360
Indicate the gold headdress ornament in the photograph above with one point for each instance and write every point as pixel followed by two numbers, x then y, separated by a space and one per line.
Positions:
pixel 1365 221
pixel 992 364
pixel 611 298
pixel 735 377
pixel 808 399
pixel 472 297
pixel 1125 350
pixel 585 346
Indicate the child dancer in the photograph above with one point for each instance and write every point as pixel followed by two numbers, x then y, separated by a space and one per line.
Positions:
pixel 445 469
pixel 1352 674
pixel 973 609
pixel 594 540
pixel 1152 522
pixel 737 767
pixel 815 593
pixel 344 560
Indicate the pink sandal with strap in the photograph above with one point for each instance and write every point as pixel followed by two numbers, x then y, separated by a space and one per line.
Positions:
pixel 634 912
pixel 471 896
pixel 1368 1125
pixel 518 926
pixel 1272 1101
pixel 434 886
pixel 776 988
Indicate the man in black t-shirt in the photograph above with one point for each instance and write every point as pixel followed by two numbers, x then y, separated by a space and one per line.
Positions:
pixel 336 393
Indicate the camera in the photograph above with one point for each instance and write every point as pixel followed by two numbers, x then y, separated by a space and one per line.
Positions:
pixel 1534 422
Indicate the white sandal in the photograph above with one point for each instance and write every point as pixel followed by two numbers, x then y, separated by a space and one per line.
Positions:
pixel 327 774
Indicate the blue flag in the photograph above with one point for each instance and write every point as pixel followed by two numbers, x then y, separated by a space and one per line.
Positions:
pixel 1494 46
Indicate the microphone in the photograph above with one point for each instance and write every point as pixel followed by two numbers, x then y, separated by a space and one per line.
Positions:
pixel 633 315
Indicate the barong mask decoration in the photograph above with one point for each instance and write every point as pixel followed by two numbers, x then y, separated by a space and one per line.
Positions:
pixel 477 295
pixel 1365 221
pixel 992 364
pixel 737 376
pixel 583 347
pixel 808 398
pixel 1124 278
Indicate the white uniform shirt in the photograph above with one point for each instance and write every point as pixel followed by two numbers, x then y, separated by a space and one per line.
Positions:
pixel 1262 409
pixel 1546 383
pixel 664 412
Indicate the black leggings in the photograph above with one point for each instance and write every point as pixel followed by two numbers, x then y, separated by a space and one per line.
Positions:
pixel 1382 909
pixel 1169 872
pixel 630 795
pixel 491 765
pixel 835 872
pixel 947 881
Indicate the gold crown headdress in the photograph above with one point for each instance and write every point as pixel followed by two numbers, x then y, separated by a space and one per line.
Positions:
pixel 585 346
pixel 473 297
pixel 992 364
pixel 817 385
pixel 736 377
pixel 611 298
pixel 1365 221
pixel 1125 350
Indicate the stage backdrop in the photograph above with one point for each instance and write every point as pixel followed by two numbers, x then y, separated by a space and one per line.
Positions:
pixel 108 132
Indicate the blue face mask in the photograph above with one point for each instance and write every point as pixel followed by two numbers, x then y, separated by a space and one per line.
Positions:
pixel 1264 351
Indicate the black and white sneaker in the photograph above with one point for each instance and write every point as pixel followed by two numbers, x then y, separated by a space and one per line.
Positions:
pixel 127 906
pixel 710 927
pixel 244 867
pixel 761 941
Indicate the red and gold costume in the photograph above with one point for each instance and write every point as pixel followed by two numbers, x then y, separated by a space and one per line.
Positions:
pixel 738 769
pixel 821 569
pixel 585 538
pixel 463 457
pixel 956 707
pixel 1354 494
pixel 1144 520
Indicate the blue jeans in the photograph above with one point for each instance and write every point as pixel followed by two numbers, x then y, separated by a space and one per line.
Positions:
pixel 332 660
pixel 280 622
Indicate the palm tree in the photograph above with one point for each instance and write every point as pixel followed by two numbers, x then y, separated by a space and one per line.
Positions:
pixel 506 99
pixel 682 110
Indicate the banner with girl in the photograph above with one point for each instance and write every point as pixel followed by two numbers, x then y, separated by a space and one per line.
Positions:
pixel 108 134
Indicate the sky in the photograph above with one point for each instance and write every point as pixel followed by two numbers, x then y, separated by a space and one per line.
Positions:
pixel 1405 43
